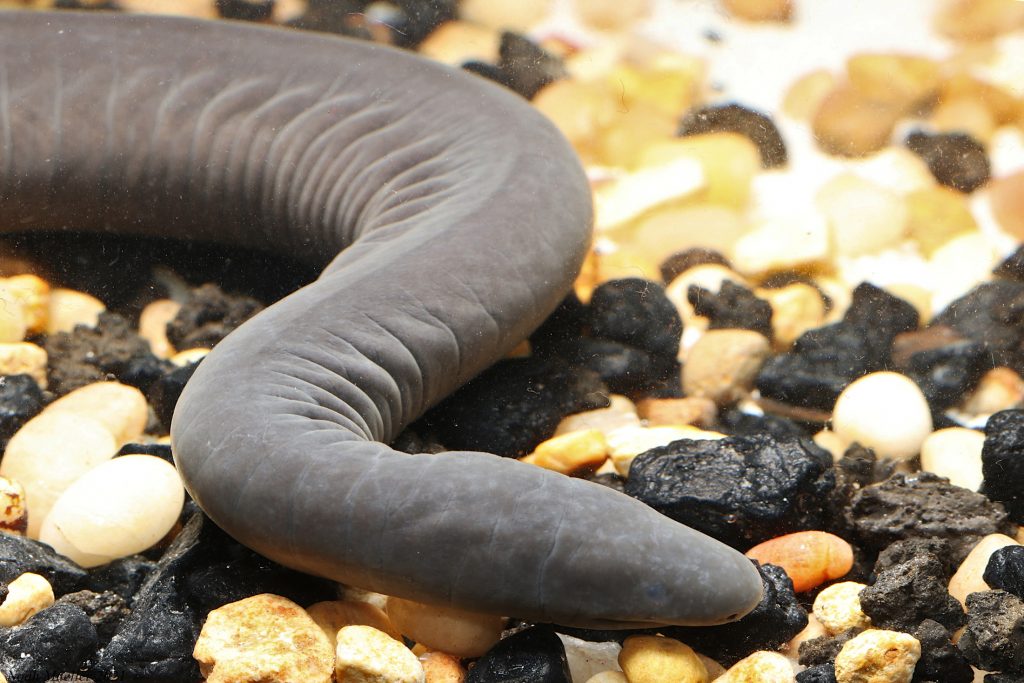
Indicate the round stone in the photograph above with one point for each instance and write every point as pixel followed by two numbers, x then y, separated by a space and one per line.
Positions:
pixel 884 411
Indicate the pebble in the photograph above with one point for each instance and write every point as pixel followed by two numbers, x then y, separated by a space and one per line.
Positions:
pixel 55 640
pixel 611 14
pixel 936 215
pixel 837 607
pixel 457 632
pixel 900 80
pixel 332 615
pixel 620 413
pixel 581 451
pixel 710 276
pixel 955 159
pixel 999 389
pixel 535 655
pixel 13 513
pixel 735 118
pixel 116 509
pixel 500 15
pixel 797 241
pixel 723 364
pixel 24 358
pixel 1005 570
pixel 1006 199
pixel 994 636
pixel 760 10
pixel 653 659
pixel 850 124
pixel 667 412
pixel 234 644
pixel 954 453
pixel 878 656
pixel 812 631
pixel 796 308
pixel 864 217
pixel 969 576
pixel 728 161
pixel 26 595
pixel 153 326
pixel 960 264
pixel 121 408
pixel 909 592
pixel 760 667
pixel 635 311
pixel 626 443
pixel 670 230
pixel 810 558
pixel 805 95
pixel 732 307
pixel 188 356
pixel 69 307
pixel 884 411
pixel 632 194
pixel 366 655
pixel 587 659
pixel 608 677
pixel 456 42
pixel 440 667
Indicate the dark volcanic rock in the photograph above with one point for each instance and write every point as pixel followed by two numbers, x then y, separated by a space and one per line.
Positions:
pixel 562 329
pixel 527 66
pixel 57 639
pixel 625 369
pixel 246 10
pixel 20 400
pixel 636 312
pixel 824 649
pixel 906 594
pixel 535 655
pixel 681 261
pixel 105 610
pixel 1012 267
pixel 741 490
pixel 123 577
pixel 941 661
pixel 1005 570
pixel 822 673
pixel 991 314
pixel 994 637
pixel 948 373
pixel 735 422
pixel 732 307
pixel 955 159
pixel 19 555
pixel 166 391
pixel 908 549
pixel 735 118
pixel 1002 461
pixel 209 315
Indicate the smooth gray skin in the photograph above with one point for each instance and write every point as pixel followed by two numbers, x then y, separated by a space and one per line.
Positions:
pixel 451 219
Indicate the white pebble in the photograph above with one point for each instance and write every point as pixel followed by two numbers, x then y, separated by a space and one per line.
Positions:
pixel 608 677
pixel 960 264
pixel 799 239
pixel 588 659
pixel 120 508
pixel 762 667
pixel 864 216
pixel 366 655
pixel 884 411
pixel 122 408
pixel 969 576
pixel 625 443
pixel 27 595
pixel 955 454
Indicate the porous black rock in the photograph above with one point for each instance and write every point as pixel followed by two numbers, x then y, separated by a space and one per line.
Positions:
pixel 948 373
pixel 343 17
pixel 514 405
pixel 735 118
pixel 776 619
pixel 991 314
pixel 736 422
pixel 907 549
pixel 732 307
pixel 19 555
pixel 487 70
pixel 993 639
pixel 527 66
pixel 824 649
pixel 924 505
pixel 418 19
pixel 20 400
pixel 534 655
pixel 123 576
pixel 1002 461
pixel 164 393
pixel 60 638
pixel 562 329
pixel 905 594
pixel 636 312
pixel 208 315
pixel 941 661
pixel 69 678
pixel 822 673
pixel 741 490
pixel 1005 570
pixel 1012 267
pixel 956 159
pixel 105 610
pixel 157 450
pixel 245 10
pixel 611 480
pixel 681 261
pixel 625 369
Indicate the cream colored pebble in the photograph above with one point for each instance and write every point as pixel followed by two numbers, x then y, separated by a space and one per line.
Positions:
pixel 118 508
pixel 760 667
pixel 366 655
pixel 13 321
pixel 628 442
pixel 954 453
pixel 630 195
pixel 441 667
pixel 455 42
pixel 34 295
pixel 884 411
pixel 611 14
pixel 333 615
pixel 13 512
pixel 999 389
pixel 621 413
pixel 967 578
pixel 455 631
pixel 503 15
pixel 122 408
pixel 798 240
pixel 24 358
pixel 837 607
pixel 27 595
pixel 263 638
pixel 796 308
pixel 723 364
pixel 864 216
pixel 49 453
pixel 69 307
pixel 153 326
pixel 608 677
pixel 655 659
pixel 959 265
pixel 188 356
pixel 831 442
pixel 878 656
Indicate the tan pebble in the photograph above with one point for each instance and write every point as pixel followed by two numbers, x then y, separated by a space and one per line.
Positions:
pixel 864 217
pixel 895 168
pixel 49 453
pixel 27 595
pixel 884 411
pixel 188 356
pixel 760 667
pixel 69 307
pixel 968 577
pixel 571 453
pixel 200 9
pixel 455 631
pixel 806 94
pixel 796 308
pixel 579 109
pixel 728 161
pixel 440 667
pixel 24 358
pixel 608 677
pixel 978 19
pixel 455 42
pixel 837 607
pixel 799 241
pixel 954 453
pixel 657 183
pixel 13 322
pixel 235 643
pixel 622 263
pixel 713 668
pixel 963 85
pixel 611 14
pixel 628 442
pixel 132 501
pixel 847 123
pixel 1006 197
pixel 13 512
pixel 964 115
pixel 122 408
pixel 810 558
pixel 655 659
pixel 34 295
pixel 759 10
pixel 153 326
pixel 631 130
pixel 668 412
pixel 1000 388
pixel 723 364
pixel 670 229
pixel 332 615
pixel 499 14
pixel 902 81
pixel 366 655
pixel 878 656
pixel 621 413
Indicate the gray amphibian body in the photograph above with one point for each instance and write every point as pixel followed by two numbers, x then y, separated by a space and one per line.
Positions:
pixel 449 218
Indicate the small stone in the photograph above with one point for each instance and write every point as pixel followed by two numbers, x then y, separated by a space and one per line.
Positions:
pixel 1005 570
pixel 246 10
pixel 708 276
pixel 366 655
pixel 735 118
pixel 728 163
pixel 457 632
pixel 864 217
pixel 457 42
pixel 500 15
pixel 911 548
pixel 527 66
pixel 964 115
pixel 1005 196
pixel 732 307
pixel 668 233
pixel 936 215
pixel 824 648
pixel 20 400
pixel 978 19
pixel 636 312
pixel 906 594
pixel 760 10
pixel 760 667
pixel 587 659
pixel 620 413
pixel 955 159
pixel 969 576
pixel 26 595
pixel 164 394
pixel 23 358
pixel 652 659
pixel 798 240
pixel 901 81
pixel 945 373
pixel 121 577
pixel 19 555
pixel 608 677
pixel 332 615
pixel 13 513
pixel 625 369
pixel 886 412
pixel 106 610
pixel 878 656
pixel 810 558
pixel 662 181
pixel 440 667
pixel 70 308
pixel 665 412
pixel 33 293
pixel 954 453
pixel 848 123
pixel 570 453
pixel 13 321
pixel 940 659
pixel 208 315
pixel 233 645
pixel 626 443
pixel 55 640
pixel 611 14
pixel 796 308
pixel 534 655
pixel 120 407
pixel 1001 461
pixel 153 326
pixel 822 673
pixel 838 609
pixel 723 364
pixel 681 261
pixel 806 94
pixel 994 637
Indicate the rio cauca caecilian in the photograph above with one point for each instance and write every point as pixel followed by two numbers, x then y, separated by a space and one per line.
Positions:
pixel 449 219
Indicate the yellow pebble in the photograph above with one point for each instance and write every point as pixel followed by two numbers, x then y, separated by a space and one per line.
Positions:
pixel 27 595
pixel 366 655
pixel 23 358
pixel 760 667
pixel 838 608
pixel 34 295
pixel 572 452
pixel 655 659
pixel 878 656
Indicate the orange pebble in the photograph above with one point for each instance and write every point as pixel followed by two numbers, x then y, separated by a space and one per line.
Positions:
pixel 810 558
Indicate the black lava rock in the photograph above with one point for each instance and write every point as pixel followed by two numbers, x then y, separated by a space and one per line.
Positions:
pixel 924 505
pixel 681 261
pixel 824 649
pixel 881 316
pixel 166 391
pixel 775 620
pixel 57 639
pixel 561 331
pixel 157 450
pixel 534 655
pixel 955 159
pixel 514 405
pixel 906 594
pixel 343 17
pixel 822 673
pixel 994 637
pixel 906 550
pixel 209 315
pixel 21 399
pixel 735 118
pixel 1012 267
pixel 419 19
pixel 611 480
pixel 490 71
pixel 636 312
pixel 1005 570
pixel 741 490
pixel 625 369
pixel 991 314
pixel 246 10
pixel 732 307
pixel 735 422
pixel 526 65
pixel 946 374
pixel 19 555
pixel 1002 461
pixel 105 610
pixel 941 661
pixel 69 678
pixel 123 577
pixel 111 350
